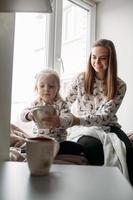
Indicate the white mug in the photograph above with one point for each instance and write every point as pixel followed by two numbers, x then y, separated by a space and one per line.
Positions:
pixel 41 152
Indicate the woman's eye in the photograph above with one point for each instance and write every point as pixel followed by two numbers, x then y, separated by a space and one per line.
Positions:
pixel 100 58
pixel 103 58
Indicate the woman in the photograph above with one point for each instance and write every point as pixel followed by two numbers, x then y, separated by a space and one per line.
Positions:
pixel 99 93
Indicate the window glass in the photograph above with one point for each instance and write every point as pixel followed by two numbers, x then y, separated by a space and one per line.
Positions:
pixel 66 36
pixel 75 37
pixel 30 50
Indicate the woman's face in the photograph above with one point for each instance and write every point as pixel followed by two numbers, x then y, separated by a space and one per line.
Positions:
pixel 99 61
pixel 47 88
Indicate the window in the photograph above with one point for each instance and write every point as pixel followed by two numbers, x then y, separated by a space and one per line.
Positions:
pixel 30 56
pixel 60 40
pixel 75 40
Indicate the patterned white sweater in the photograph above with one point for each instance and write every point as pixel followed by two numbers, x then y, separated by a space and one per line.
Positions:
pixel 95 110
pixel 63 112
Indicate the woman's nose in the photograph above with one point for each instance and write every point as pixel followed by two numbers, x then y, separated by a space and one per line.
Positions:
pixel 98 60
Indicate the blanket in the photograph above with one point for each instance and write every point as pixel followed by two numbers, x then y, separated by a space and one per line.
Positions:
pixel 18 149
pixel 114 148
pixel 17 143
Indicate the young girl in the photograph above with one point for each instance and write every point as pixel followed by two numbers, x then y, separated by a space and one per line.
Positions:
pixel 47 86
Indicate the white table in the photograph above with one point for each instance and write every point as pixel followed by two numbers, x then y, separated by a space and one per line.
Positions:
pixel 65 182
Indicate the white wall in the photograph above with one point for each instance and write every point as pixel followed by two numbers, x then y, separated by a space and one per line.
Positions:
pixel 114 21
pixel 6 60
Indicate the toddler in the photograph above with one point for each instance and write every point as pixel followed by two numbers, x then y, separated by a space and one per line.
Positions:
pixel 47 86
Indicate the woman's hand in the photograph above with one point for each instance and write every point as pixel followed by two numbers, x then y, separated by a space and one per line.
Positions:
pixel 76 121
pixel 16 141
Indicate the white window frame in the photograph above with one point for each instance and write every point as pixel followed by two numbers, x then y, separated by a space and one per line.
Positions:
pixel 56 30
pixel 54 60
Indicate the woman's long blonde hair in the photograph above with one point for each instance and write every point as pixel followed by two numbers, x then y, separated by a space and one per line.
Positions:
pixel 110 81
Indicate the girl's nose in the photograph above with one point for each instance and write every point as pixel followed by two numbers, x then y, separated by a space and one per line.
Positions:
pixel 46 88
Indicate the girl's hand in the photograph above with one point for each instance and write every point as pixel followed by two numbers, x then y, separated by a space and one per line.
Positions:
pixel 30 116
pixel 52 121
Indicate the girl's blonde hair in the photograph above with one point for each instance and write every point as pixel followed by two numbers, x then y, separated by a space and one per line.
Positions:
pixel 48 72
pixel 110 82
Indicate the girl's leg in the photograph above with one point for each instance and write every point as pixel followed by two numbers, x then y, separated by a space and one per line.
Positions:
pixel 93 150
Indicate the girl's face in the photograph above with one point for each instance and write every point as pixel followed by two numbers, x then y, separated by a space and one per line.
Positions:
pixel 99 61
pixel 47 88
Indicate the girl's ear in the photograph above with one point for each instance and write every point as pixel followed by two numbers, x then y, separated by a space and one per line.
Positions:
pixel 58 92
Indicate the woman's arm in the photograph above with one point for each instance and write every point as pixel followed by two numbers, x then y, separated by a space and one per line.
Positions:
pixel 106 114
pixel 65 116
pixel 72 91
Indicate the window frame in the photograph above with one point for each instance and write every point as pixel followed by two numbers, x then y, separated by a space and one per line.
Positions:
pixel 54 51
pixel 56 30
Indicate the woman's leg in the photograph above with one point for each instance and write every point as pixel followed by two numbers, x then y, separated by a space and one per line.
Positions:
pixel 120 133
pixel 129 149
pixel 93 150
pixel 69 147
